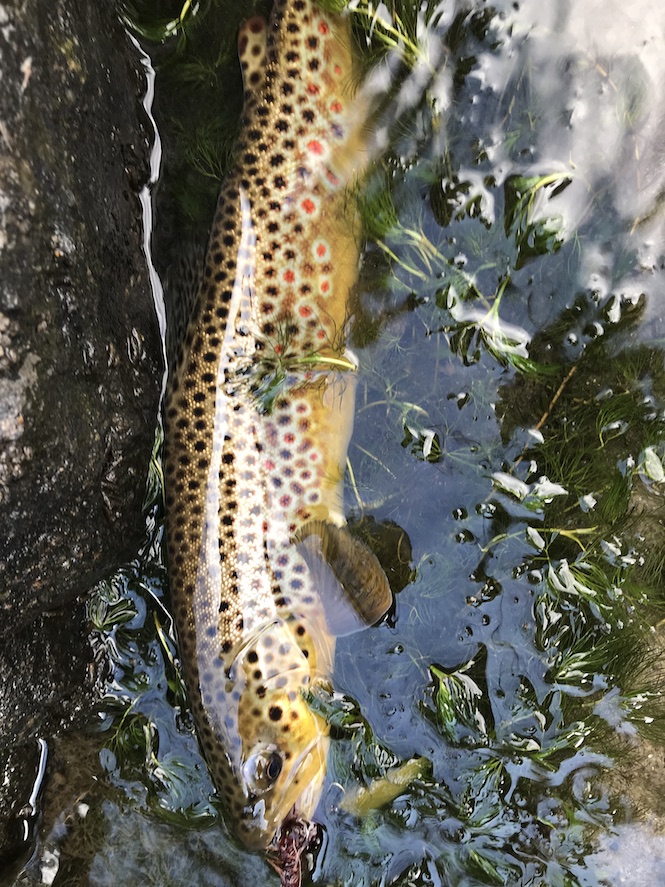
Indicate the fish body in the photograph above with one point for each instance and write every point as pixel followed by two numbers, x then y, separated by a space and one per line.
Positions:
pixel 258 416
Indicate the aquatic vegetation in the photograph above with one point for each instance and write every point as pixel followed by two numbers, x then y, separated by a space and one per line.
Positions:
pixel 533 236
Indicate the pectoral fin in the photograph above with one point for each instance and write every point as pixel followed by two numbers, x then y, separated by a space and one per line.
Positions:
pixel 353 588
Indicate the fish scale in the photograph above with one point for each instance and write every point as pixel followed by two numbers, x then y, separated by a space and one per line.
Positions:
pixel 244 478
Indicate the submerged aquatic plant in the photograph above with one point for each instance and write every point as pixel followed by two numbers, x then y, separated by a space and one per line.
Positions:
pixel 533 234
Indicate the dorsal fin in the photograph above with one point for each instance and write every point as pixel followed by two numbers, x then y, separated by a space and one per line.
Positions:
pixel 350 581
pixel 252 40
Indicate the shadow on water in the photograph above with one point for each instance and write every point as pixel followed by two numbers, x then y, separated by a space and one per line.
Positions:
pixel 510 417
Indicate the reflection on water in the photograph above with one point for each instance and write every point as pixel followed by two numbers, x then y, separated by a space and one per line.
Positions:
pixel 632 855
pixel 510 408
pixel 596 76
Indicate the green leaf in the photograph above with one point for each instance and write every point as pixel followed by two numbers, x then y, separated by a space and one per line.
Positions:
pixel 458 715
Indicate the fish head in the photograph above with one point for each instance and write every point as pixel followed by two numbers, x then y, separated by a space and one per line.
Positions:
pixel 284 746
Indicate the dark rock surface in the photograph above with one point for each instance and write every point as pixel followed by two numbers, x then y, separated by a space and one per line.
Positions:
pixel 80 356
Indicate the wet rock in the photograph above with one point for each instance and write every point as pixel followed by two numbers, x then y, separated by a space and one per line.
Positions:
pixel 80 358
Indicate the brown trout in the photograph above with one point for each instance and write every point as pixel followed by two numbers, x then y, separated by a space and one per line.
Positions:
pixel 263 571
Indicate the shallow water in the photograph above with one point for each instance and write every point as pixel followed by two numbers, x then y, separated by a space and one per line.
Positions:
pixel 510 418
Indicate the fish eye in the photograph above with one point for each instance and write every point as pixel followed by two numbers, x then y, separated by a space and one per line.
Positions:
pixel 274 766
pixel 262 770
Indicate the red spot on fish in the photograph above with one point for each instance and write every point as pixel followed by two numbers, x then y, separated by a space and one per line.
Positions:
pixel 332 178
pixel 325 286
pixel 308 205
pixel 313 89
pixel 324 28
pixel 289 438
pixel 321 250
pixel 285 501
pixel 315 147
pixel 304 311
pixel 321 334
pixel 278 349
pixel 270 465
pixel 336 107
pixel 337 70
pixel 289 276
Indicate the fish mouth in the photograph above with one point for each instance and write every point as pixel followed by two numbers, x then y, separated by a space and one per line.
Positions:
pixel 297 831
